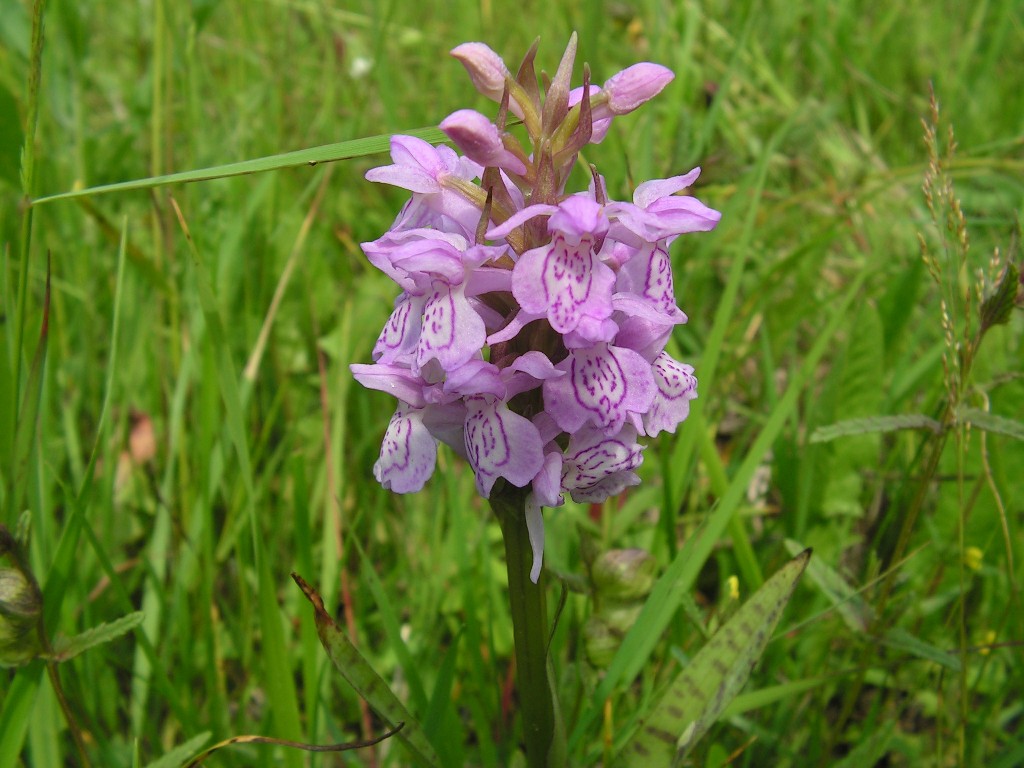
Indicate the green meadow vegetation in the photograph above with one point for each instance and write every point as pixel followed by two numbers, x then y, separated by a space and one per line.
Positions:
pixel 179 430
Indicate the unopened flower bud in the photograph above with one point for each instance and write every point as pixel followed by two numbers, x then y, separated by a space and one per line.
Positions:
pixel 600 642
pixel 20 608
pixel 621 617
pixel 998 305
pixel 486 68
pixel 634 86
pixel 480 140
pixel 624 575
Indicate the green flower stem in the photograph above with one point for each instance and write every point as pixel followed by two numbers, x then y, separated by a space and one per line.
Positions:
pixel 529 628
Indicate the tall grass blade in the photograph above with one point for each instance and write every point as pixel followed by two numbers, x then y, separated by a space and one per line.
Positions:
pixel 991 422
pixel 179 754
pixel 872 424
pixel 328 153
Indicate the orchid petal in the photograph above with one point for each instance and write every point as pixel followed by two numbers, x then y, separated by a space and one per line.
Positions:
pixel 535 530
pixel 603 385
pixel 500 443
pixel 675 387
pixel 407 453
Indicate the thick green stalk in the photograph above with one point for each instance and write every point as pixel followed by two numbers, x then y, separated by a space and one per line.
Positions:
pixel 529 628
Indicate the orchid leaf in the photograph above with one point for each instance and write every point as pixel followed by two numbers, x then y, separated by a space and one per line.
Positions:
pixel 716 674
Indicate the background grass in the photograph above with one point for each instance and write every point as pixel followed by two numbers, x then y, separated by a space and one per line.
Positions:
pixel 806 120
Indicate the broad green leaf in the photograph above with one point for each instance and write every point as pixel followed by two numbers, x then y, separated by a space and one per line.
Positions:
pixel 844 598
pixel 364 678
pixel 715 675
pixel 68 648
pixel 992 422
pixel 342 150
pixel 874 424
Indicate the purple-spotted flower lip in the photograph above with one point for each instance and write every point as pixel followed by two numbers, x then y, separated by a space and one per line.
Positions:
pixel 597 465
pixel 500 443
pixel 605 386
pixel 408 452
pixel 675 386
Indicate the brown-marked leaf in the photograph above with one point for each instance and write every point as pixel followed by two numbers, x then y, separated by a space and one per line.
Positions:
pixel 715 675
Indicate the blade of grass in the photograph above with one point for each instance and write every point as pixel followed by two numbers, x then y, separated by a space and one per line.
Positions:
pixel 19 699
pixel 440 722
pixel 282 694
pixel 328 153
pixel 28 181
pixel 389 619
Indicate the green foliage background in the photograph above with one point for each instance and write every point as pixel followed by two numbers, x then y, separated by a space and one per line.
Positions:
pixel 806 118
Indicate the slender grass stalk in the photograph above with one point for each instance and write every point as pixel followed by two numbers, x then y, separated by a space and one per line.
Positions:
pixel 28 183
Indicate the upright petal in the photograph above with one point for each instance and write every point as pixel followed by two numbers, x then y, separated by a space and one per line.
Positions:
pixel 485 68
pixel 479 138
pixel 635 85
pixel 565 278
